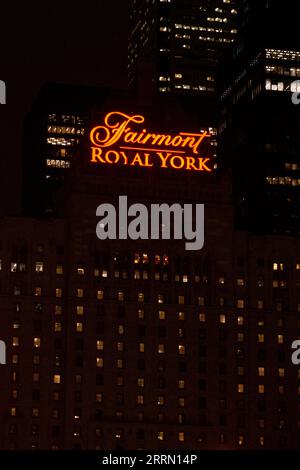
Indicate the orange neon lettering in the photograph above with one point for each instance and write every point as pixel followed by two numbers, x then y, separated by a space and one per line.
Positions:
pixel 147 156
pixel 203 166
pixel 118 128
pixel 172 162
pixel 163 159
pixel 137 159
pixel 112 152
pixel 96 155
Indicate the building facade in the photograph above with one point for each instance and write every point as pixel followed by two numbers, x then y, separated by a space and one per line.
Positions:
pixel 174 46
pixel 259 122
pixel 140 344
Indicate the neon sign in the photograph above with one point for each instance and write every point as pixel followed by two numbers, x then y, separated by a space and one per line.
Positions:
pixel 122 140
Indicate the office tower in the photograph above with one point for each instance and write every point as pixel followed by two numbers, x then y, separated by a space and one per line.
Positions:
pixel 259 130
pixel 54 129
pixel 174 46
pixel 141 344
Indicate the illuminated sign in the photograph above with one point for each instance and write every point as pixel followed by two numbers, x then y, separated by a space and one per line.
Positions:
pixel 123 140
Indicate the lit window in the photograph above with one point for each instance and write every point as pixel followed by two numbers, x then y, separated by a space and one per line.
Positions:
pixel 281 372
pixel 140 399
pixel 202 317
pixel 181 299
pixel 58 292
pixel 160 435
pixel 35 377
pixel 240 303
pixel 240 337
pixel 56 378
pixel 79 327
pixel 162 315
pixel 140 297
pixel 141 382
pixel 100 345
pixel 240 320
pixel 160 299
pixel 120 363
pixel 201 301
pixel 161 349
pixel 59 269
pixel 16 341
pixel 181 436
pixel 99 361
pixel 261 371
pixel 104 273
pixel 280 339
pixel 120 296
pixel 241 388
pixel 80 293
pixel 181 384
pixel 261 441
pixel 141 347
pixel 121 329
pixel 181 402
pixel 80 271
pixel 241 440
pixel 222 318
pixel 38 292
pixel 13 411
pixel 261 389
pixel 141 314
pixel 36 342
pixel 99 397
pixel 120 346
pixel 222 280
pixel 39 266
pixel 181 349
pixel 79 310
pixel 13 267
pixel 35 412
pixel 181 316
pixel 58 310
pixel 57 327
pixel 15 359
pixel 261 338
pixel 161 400
pixel 100 294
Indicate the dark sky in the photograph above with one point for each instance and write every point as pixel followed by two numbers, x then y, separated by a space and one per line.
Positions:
pixel 61 41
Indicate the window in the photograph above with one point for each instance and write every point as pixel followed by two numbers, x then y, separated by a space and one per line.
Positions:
pixel 241 388
pixel 162 315
pixel 181 316
pixel 39 266
pixel 140 399
pixel 181 349
pixel 56 378
pixel 100 345
pixel 281 372
pixel 261 338
pixel 222 318
pixel 58 292
pixel 80 271
pixel 57 327
pixel 161 349
pixel 201 301
pixel 16 341
pixel 240 303
pixel 141 314
pixel 36 342
pixel 261 389
pixel 141 347
pixel 80 293
pixel 79 310
pixel 202 317
pixel 79 327
pixel 38 292
pixel 120 346
pixel 240 320
pixel 100 294
pixel 160 435
pixel 36 377
pixel 181 299
pixel 120 363
pixel 59 269
pixel 181 436
pixel 161 400
pixel 121 329
pixel 120 296
pixel 58 310
pixel 280 339
pixel 99 361
pixel 261 371
pixel 141 382
pixel 140 297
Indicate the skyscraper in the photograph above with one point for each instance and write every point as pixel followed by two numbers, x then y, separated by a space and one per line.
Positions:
pixel 177 43
pixel 259 130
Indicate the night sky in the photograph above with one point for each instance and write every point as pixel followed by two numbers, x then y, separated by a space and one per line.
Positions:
pixel 53 41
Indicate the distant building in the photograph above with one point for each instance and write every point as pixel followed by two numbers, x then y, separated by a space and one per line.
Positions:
pixel 259 124
pixel 174 46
